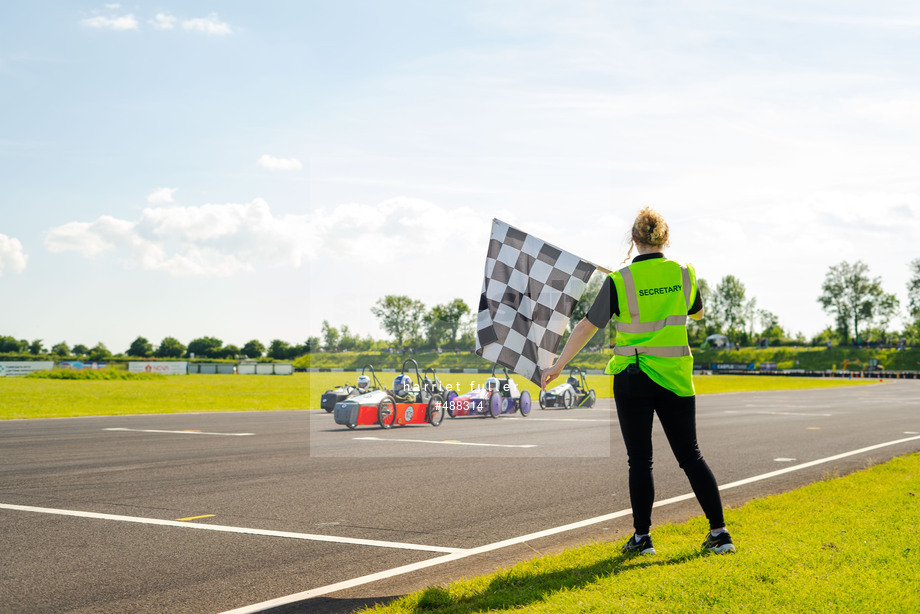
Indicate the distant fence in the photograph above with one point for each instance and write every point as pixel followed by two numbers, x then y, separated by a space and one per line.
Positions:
pixel 814 373
pixel 166 367
pixel 745 369
pixel 20 368
pixel 172 367
pixel 471 371
pixel 243 368
pixel 265 368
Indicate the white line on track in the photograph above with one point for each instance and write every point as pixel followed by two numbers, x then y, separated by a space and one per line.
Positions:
pixel 779 413
pixel 179 432
pixel 447 558
pixel 226 529
pixel 529 419
pixel 448 442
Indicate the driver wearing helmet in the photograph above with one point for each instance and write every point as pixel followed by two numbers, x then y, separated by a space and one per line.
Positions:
pixel 402 385
pixel 364 382
pixel 492 383
pixel 572 382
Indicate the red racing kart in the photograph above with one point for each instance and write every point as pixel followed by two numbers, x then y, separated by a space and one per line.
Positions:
pixel 407 403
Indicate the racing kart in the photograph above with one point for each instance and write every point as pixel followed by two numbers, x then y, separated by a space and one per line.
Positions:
pixel 496 397
pixel 573 392
pixel 331 397
pixel 407 403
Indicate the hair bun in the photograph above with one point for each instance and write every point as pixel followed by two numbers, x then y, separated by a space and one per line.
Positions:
pixel 650 228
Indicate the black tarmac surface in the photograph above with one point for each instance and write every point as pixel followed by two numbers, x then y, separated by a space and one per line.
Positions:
pixel 468 483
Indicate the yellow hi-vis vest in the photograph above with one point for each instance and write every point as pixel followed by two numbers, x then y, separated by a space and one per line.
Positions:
pixel 654 297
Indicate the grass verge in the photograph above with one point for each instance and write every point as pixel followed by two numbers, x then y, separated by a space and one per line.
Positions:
pixel 39 397
pixel 849 544
pixel 26 397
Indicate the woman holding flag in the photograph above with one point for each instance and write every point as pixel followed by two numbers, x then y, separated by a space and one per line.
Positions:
pixel 650 300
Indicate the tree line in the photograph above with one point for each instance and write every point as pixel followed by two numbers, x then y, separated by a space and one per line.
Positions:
pixel 169 347
pixel 859 306
pixel 861 309
pixel 412 325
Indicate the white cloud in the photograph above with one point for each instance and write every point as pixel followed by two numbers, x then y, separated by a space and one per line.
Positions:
pixel 279 164
pixel 161 195
pixel 212 240
pixel 125 22
pixel 89 239
pixel 12 257
pixel 224 239
pixel 208 25
pixel 162 21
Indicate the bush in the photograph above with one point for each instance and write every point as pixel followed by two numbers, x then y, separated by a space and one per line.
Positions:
pixel 93 374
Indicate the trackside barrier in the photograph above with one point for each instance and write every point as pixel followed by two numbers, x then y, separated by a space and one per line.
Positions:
pixel 454 371
pixel 831 374
pixel 244 368
pixel 697 370
pixel 20 368
pixel 164 367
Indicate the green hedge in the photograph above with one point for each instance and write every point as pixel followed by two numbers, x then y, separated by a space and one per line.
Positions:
pixel 439 362
pixel 785 358
pixel 817 359
pixel 94 374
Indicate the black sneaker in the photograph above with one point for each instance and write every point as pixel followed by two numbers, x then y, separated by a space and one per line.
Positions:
pixel 643 546
pixel 719 544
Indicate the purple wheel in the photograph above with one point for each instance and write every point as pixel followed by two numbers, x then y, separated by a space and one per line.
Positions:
pixel 449 400
pixel 495 404
pixel 524 403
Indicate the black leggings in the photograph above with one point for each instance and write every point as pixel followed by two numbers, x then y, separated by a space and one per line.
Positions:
pixel 638 398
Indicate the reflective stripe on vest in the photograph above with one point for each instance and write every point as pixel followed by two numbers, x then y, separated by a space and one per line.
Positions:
pixel 675 351
pixel 651 327
pixel 632 302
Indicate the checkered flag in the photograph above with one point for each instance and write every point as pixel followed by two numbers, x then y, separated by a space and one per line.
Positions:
pixel 528 294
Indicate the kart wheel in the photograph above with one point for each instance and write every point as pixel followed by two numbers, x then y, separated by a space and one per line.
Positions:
pixel 386 412
pixel 449 400
pixel 568 399
pixel 495 404
pixel 435 410
pixel 542 399
pixel 592 398
pixel 524 403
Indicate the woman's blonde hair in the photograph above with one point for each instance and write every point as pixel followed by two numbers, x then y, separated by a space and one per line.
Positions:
pixel 649 229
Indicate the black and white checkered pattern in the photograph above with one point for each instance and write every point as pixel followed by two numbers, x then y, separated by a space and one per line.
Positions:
pixel 528 294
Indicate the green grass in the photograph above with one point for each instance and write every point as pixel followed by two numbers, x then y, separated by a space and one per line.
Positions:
pixel 37 397
pixel 25 397
pixel 710 384
pixel 848 544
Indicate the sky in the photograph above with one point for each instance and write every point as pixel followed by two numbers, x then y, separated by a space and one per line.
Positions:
pixel 247 170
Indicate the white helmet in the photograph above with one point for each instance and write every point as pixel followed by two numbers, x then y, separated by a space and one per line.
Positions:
pixel 363 381
pixel 492 383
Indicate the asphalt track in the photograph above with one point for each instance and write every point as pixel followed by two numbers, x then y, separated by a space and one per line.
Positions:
pixel 245 511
